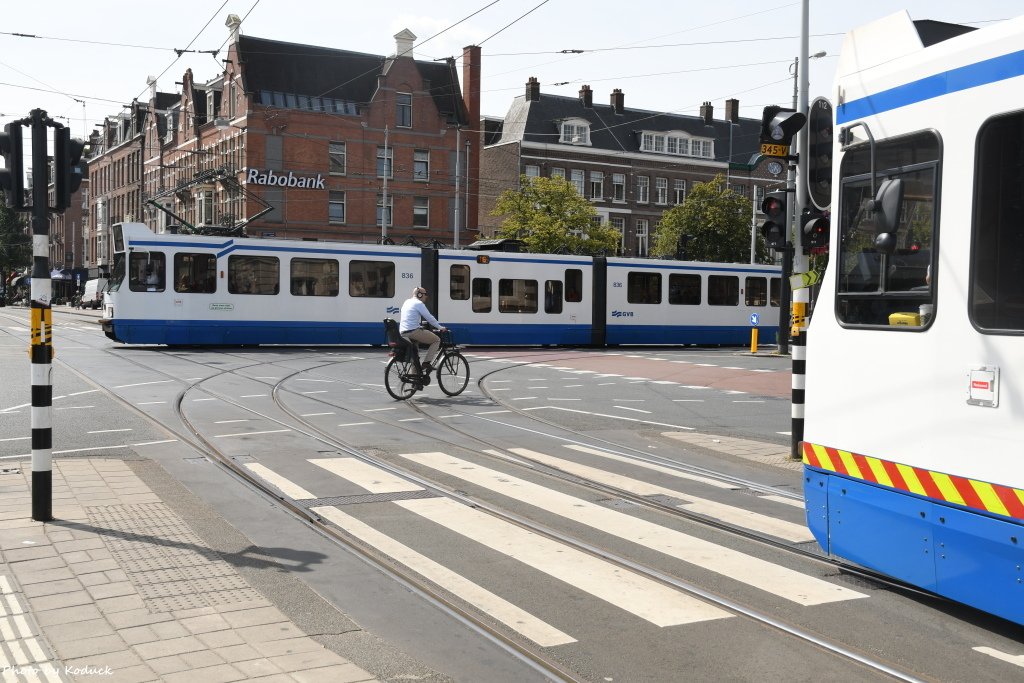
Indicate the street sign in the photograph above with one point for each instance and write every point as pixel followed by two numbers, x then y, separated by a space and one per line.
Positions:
pixel 770 150
pixel 754 319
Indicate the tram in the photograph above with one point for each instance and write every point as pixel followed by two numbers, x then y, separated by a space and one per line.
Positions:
pixel 911 443
pixel 200 290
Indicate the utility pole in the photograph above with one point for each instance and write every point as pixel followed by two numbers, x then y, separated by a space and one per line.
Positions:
pixel 458 145
pixel 801 296
pixel 384 207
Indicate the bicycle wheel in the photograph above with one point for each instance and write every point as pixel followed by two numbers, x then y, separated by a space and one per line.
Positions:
pixel 453 373
pixel 396 380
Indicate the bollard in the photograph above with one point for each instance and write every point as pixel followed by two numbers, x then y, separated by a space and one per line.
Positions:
pixel 753 340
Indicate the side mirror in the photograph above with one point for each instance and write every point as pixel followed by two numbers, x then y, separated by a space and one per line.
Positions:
pixel 887 205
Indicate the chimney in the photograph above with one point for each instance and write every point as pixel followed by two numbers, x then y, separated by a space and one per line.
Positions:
pixel 618 101
pixel 707 112
pixel 532 89
pixel 732 110
pixel 404 40
pixel 587 97
pixel 474 136
pixel 233 23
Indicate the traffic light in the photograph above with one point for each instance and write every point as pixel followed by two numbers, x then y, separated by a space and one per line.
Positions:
pixel 819 153
pixel 12 176
pixel 774 227
pixel 67 154
pixel 779 126
pixel 815 227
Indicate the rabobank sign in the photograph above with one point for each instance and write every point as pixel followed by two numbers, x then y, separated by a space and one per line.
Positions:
pixel 257 176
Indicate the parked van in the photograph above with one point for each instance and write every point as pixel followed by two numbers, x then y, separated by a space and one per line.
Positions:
pixel 93 296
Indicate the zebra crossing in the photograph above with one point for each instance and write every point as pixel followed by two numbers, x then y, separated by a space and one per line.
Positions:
pixel 614 585
pixel 21 655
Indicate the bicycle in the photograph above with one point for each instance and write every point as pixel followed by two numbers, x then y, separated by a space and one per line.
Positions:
pixel 403 376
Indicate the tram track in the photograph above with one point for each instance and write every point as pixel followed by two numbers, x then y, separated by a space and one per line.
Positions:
pixel 195 439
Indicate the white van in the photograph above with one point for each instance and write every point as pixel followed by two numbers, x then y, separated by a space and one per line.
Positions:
pixel 93 296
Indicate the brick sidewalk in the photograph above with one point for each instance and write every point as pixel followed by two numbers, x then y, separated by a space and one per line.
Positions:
pixel 119 589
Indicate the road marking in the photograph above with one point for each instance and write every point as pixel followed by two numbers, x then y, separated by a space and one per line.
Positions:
pixel 197 400
pixel 521 398
pixel 493 412
pixel 108 431
pixel 795 502
pixel 17 438
pixel 367 476
pixel 620 587
pixel 316 414
pixel 687 400
pixel 730 514
pixel 767 576
pixel 517 619
pixel 635 410
pixel 143 384
pixel 148 403
pixel 223 422
pixel 1017 660
pixel 306 393
pixel 252 395
pixel 617 417
pixel 354 424
pixel 377 410
pixel 269 431
pixel 285 486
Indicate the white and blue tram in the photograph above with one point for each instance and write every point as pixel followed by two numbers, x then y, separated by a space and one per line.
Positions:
pixel 200 290
pixel 912 443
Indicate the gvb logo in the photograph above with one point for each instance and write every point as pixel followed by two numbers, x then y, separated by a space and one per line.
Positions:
pixel 393 309
pixel 622 314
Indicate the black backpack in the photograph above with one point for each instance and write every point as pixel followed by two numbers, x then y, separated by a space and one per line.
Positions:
pixel 399 346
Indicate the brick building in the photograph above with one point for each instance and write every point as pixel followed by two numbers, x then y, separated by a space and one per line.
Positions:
pixel 298 141
pixel 632 164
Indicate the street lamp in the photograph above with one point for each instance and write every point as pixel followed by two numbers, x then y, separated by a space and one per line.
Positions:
pixel 795 69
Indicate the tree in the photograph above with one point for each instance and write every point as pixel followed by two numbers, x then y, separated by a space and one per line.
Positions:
pixel 549 215
pixel 15 245
pixel 717 221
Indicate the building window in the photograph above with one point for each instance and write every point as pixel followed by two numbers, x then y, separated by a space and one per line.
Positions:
pixel 337 158
pixel 641 237
pixel 403 110
pixel 577 180
pixel 380 208
pixel 575 134
pixel 643 189
pixel 336 207
pixel 661 190
pixel 558 173
pixel 678 191
pixel 421 165
pixel 420 212
pixel 596 185
pixel 618 187
pixel 531 171
pixel 385 157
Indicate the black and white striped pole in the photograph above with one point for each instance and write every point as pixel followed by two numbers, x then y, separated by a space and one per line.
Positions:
pixel 41 349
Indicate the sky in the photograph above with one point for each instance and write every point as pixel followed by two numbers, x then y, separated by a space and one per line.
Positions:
pixel 88 60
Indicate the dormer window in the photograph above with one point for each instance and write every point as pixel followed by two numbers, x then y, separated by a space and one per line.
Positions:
pixel 678 143
pixel 575 132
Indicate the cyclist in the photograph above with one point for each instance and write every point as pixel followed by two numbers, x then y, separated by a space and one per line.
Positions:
pixel 414 311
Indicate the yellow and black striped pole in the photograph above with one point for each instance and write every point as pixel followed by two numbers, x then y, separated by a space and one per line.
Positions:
pixel 41 349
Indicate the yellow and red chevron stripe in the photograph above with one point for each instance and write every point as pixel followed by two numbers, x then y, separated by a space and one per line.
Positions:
pixel 980 495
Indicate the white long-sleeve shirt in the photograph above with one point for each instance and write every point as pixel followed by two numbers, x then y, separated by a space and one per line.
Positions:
pixel 413 310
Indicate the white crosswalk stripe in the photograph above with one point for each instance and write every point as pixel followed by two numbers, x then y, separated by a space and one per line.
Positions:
pixel 766 576
pixel 627 590
pixel 798 533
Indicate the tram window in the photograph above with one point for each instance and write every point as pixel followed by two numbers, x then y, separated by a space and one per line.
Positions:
pixel 643 288
pixel 755 292
pixel 458 290
pixel 371 279
pixel 254 275
pixel 723 290
pixel 195 273
pixel 997 249
pixel 517 296
pixel 314 277
pixel 774 291
pixel 684 289
pixel 481 295
pixel 147 271
pixel 553 296
pixel 876 287
pixel 574 285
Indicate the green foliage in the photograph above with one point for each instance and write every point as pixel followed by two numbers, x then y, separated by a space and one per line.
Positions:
pixel 718 222
pixel 15 245
pixel 549 215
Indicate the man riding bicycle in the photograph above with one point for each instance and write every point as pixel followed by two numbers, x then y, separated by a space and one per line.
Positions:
pixel 414 311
